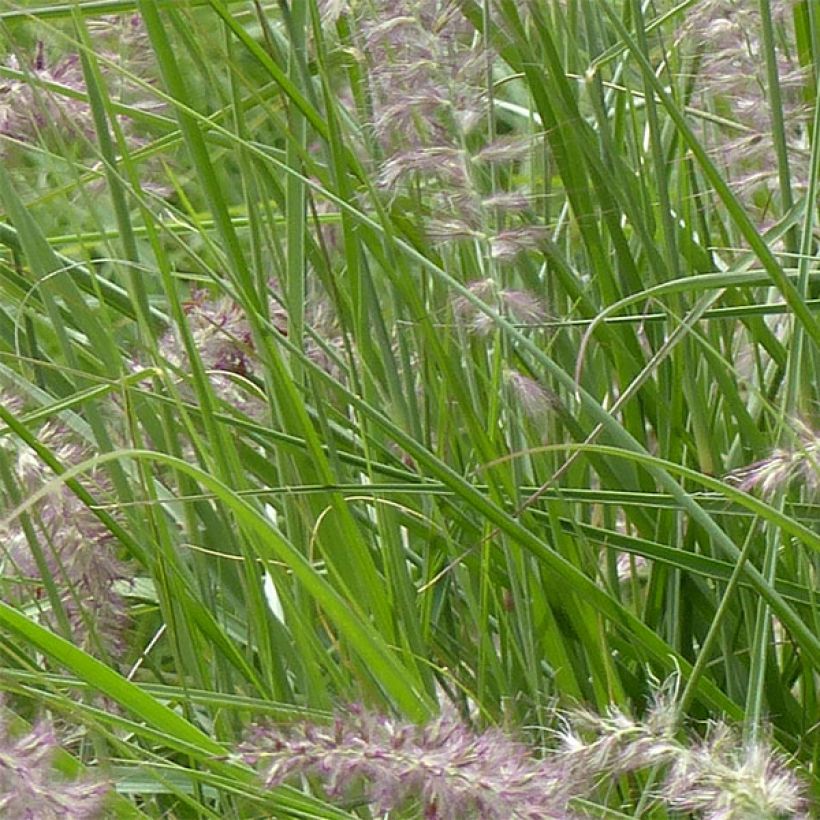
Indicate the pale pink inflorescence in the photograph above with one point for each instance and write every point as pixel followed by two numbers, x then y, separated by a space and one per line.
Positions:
pixel 794 466
pixel 428 72
pixel 445 769
pixel 31 790
pixel 221 333
pixel 424 71
pixel 428 69
pixel 534 400
pixel 50 93
pixel 518 306
pixel 727 36
pixel 78 551
pixel 451 771
pixel 26 107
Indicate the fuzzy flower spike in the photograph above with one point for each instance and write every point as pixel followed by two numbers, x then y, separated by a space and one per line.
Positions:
pixel 450 770
pixel 30 789
pixel 785 467
pixel 445 770
pixel 73 546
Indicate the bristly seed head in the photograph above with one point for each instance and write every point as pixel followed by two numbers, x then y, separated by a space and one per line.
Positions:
pixel 508 244
pixel 717 778
pixel 26 107
pixel 446 164
pixel 519 306
pixel 723 778
pixel 455 772
pixel 726 36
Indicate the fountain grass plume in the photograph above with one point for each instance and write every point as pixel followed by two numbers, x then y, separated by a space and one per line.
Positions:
pixel 30 789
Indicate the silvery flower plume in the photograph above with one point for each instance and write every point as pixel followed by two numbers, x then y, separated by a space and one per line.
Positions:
pixel 444 768
pixel 719 778
pixel 796 465
pixel 722 778
pixel 534 400
pixel 428 70
pixel 70 543
pixel 31 790
pixel 122 38
pixel 610 744
pixel 47 96
pixel 425 72
pixel 727 36
pixel 518 305
pixel 222 335
pixel 26 108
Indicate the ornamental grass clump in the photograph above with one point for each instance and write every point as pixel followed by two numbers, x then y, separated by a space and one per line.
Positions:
pixel 325 398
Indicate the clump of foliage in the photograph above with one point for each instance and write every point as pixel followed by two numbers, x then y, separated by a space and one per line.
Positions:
pixel 456 358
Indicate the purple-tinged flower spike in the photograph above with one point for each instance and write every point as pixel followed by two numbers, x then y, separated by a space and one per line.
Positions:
pixel 615 743
pixel 533 398
pixel 29 107
pixel 450 770
pixel 222 334
pixel 123 37
pixel 26 108
pixel 446 164
pixel 723 779
pixel 508 244
pixel 425 72
pixel 77 549
pixel 508 202
pixel 784 467
pixel 727 36
pixel 506 149
pixel 31 790
pixel 519 306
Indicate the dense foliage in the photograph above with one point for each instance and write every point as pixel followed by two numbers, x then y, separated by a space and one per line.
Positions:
pixel 409 408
